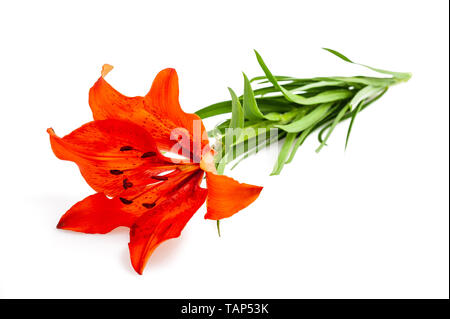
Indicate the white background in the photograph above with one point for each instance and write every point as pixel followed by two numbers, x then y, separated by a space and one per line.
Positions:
pixel 371 222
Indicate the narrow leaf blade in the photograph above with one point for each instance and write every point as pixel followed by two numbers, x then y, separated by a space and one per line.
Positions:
pixel 284 153
pixel 251 110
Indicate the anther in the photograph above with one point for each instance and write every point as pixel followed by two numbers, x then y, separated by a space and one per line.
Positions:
pixel 148 205
pixel 127 184
pixel 116 172
pixel 148 154
pixel 125 201
pixel 126 148
pixel 160 178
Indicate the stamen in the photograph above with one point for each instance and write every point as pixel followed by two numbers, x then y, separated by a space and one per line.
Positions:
pixel 125 201
pixel 160 178
pixel 126 148
pixel 116 172
pixel 148 205
pixel 127 184
pixel 106 68
pixel 148 154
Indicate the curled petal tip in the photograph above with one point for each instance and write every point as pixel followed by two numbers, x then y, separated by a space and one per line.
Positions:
pixel 139 271
pixel 170 72
pixel 106 68
pixel 227 196
pixel 50 131
pixel 136 266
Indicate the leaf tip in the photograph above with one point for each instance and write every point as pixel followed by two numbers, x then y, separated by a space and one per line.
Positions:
pixel 320 148
pixel 258 56
pixel 338 54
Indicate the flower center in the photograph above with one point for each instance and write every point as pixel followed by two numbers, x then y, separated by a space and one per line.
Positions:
pixel 207 162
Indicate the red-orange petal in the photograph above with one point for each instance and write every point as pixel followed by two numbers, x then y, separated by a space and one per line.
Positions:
pixel 165 221
pixel 110 151
pixel 227 196
pixel 159 112
pixel 107 103
pixel 95 214
pixel 162 102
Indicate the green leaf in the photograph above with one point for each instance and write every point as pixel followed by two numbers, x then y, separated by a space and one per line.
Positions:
pixel 219 129
pixel 333 125
pixel 220 166
pixel 343 57
pixel 251 109
pixel 278 77
pixel 273 116
pixel 274 104
pixel 327 96
pixel 357 110
pixel 402 76
pixel 363 105
pixel 367 80
pixel 237 114
pixel 363 94
pixel 273 91
pixel 259 146
pixel 318 84
pixel 214 109
pixel 308 120
pixel 284 153
pixel 248 145
pixel 298 143
pixel 236 122
pixel 251 129
pixel 267 104
pixel 359 101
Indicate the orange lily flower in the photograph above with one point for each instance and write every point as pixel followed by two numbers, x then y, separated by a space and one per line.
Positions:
pixel 119 156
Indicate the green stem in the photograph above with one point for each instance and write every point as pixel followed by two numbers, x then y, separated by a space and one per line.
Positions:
pixel 218 227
